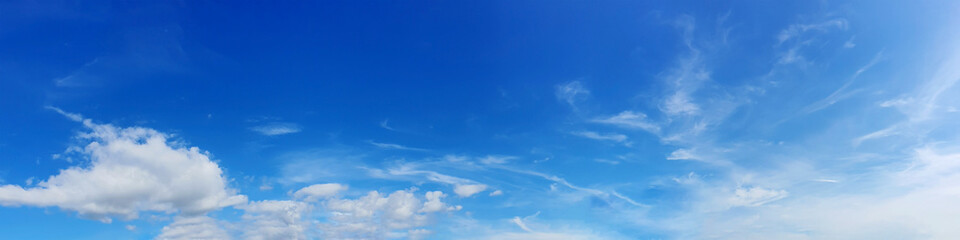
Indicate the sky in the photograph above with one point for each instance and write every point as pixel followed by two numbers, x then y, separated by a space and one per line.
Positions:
pixel 479 120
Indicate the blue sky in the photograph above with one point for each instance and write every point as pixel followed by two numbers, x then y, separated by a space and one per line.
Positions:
pixel 479 120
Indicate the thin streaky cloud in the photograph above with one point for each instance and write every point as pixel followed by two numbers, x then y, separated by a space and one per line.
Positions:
pixel 797 29
pixel 571 92
pixel 841 93
pixel 396 146
pixel 615 137
pixel 277 128
pixel 384 125
pixel 630 120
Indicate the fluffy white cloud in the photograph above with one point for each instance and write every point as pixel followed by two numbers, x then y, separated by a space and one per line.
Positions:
pixel 376 216
pixel 193 228
pixel 317 191
pixel 276 220
pixel 131 170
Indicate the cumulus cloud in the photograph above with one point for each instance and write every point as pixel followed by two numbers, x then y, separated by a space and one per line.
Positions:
pixel 317 191
pixel 277 128
pixel 131 169
pixel 377 216
pixel 191 228
pixel 276 220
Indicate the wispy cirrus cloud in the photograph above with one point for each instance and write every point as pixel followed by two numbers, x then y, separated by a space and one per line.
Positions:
pixel 631 120
pixel 385 125
pixel 462 187
pixel 842 93
pixel 795 30
pixel 396 146
pixel 615 137
pixel 277 128
pixel 571 92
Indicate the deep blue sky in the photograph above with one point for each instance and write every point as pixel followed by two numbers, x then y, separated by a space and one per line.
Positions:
pixel 535 119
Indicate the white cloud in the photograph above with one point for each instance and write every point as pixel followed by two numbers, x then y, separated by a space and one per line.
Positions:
pixel 597 136
pixel 317 191
pixel 519 223
pixel 131 170
pixel 496 159
pixel 190 228
pixel 383 124
pixel 849 43
pixel 916 201
pixel 564 182
pixel 469 190
pixel 680 104
pixel 686 77
pixel 841 92
pixel 377 216
pixel 395 146
pixel 571 92
pixel 529 228
pixel 630 119
pixel 889 131
pixel 496 193
pixel 455 158
pixel 417 234
pixel 793 53
pixel 71 116
pixel 543 236
pixel 276 220
pixel 683 154
pixel 277 128
pixel 797 29
pixel 896 102
pixel 755 196
pixel 611 162
pixel 462 187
